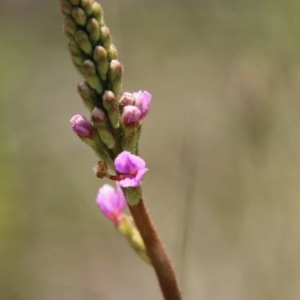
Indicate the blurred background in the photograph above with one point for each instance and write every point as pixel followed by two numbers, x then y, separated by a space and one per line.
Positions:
pixel 221 142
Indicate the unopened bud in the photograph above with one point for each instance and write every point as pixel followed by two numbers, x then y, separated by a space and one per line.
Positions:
pixel 131 115
pixel 88 6
pixel 79 16
pixel 112 52
pixel 83 41
pixel 98 12
pixel 88 95
pixel 115 76
pixel 112 108
pixel 81 126
pixel 66 7
pixel 127 99
pixel 70 26
pixel 105 37
pixel 76 55
pixel 93 29
pixel 100 57
pixel 90 74
pixel 100 121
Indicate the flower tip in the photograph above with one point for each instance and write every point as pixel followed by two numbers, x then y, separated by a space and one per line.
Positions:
pixel 111 202
pixel 81 126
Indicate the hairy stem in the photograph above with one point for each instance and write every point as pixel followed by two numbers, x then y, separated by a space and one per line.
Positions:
pixel 156 251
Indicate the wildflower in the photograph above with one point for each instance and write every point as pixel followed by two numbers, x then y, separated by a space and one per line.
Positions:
pixel 131 115
pixel 141 100
pixel 111 202
pixel 81 126
pixel 132 167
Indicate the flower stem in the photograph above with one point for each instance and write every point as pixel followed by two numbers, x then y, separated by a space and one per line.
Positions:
pixel 156 252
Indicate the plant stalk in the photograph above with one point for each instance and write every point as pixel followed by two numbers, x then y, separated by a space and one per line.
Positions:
pixel 156 252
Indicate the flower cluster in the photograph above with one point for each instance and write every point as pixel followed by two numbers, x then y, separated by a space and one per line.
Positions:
pixel 131 169
pixel 136 106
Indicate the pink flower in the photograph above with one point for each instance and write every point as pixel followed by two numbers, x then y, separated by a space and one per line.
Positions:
pixel 132 167
pixel 141 101
pixel 81 126
pixel 111 202
pixel 131 115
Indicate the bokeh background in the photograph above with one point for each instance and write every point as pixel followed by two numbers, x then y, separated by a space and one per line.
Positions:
pixel 222 143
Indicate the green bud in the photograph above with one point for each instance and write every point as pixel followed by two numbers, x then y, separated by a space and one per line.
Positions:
pixel 98 12
pixel 66 7
pixel 130 138
pixel 100 57
pixel 115 76
pixel 112 52
pixel 74 48
pixel 127 228
pixel 70 26
pixel 100 122
pixel 132 195
pixel 90 74
pixel 88 95
pixel 111 106
pixel 74 2
pixel 93 29
pixel 83 41
pixel 76 55
pixel 79 16
pixel 105 37
pixel 87 6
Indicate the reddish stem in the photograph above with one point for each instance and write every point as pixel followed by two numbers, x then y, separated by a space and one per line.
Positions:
pixel 156 251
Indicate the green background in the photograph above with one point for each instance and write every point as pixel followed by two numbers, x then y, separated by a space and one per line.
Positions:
pixel 221 142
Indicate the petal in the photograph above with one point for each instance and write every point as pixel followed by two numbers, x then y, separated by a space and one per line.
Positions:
pixel 140 175
pixel 131 115
pixel 143 101
pixel 111 202
pixel 129 182
pixel 128 163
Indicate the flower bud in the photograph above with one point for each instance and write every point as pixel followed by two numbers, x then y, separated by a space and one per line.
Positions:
pixel 127 99
pixel 66 7
pixel 105 37
pixel 98 12
pixel 70 26
pixel 115 76
pixel 142 101
pixel 87 6
pixel 90 74
pixel 112 52
pixel 79 16
pixel 83 41
pixel 131 115
pixel 100 121
pixel 93 29
pixel 112 108
pixel 100 57
pixel 88 95
pixel 81 126
pixel 111 202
